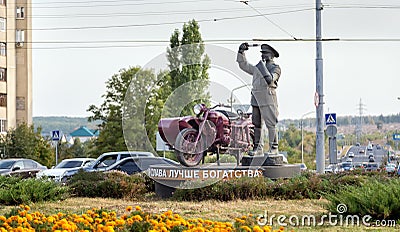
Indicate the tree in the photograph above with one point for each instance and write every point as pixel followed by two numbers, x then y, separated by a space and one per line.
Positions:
pixel 24 142
pixel 184 84
pixel 188 68
pixel 126 96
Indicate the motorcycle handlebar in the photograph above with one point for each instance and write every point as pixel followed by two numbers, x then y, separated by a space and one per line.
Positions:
pixel 220 105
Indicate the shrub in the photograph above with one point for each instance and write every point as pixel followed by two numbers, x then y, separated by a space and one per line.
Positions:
pixel 380 200
pixel 223 158
pixel 14 191
pixel 225 190
pixel 305 186
pixel 113 184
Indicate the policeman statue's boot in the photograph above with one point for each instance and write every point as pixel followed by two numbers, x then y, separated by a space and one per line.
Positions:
pixel 257 148
pixel 273 141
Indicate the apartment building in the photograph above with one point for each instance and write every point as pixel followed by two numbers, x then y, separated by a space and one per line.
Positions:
pixel 15 63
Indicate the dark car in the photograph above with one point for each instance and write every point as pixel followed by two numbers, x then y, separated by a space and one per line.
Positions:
pixel 24 168
pixel 134 165
pixel 109 158
pixel 372 167
pixel 347 166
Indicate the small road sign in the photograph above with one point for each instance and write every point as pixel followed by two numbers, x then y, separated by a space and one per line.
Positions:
pixel 330 119
pixel 396 136
pixel 331 131
pixel 55 135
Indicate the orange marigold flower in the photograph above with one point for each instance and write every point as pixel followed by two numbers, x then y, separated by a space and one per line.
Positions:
pixel 246 228
pixel 138 208
pixel 129 208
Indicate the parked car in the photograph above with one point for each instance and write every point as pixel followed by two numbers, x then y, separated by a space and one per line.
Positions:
pixel 370 155
pixel 347 166
pixel 24 168
pixel 361 151
pixel 359 166
pixel 351 154
pixel 332 169
pixel 372 167
pixel 109 158
pixel 390 168
pixel 57 173
pixel 369 147
pixel 303 167
pixel 134 165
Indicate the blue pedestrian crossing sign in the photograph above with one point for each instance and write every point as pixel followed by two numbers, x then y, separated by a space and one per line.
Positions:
pixel 330 119
pixel 55 135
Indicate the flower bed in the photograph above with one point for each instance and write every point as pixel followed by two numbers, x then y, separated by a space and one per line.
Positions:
pixel 20 219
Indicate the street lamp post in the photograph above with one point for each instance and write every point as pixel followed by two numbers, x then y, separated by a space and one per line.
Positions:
pixel 231 99
pixel 301 125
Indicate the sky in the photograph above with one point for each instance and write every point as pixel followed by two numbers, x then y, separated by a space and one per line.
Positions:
pixel 79 45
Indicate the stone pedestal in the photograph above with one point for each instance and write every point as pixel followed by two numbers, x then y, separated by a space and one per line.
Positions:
pixel 168 178
pixel 262 160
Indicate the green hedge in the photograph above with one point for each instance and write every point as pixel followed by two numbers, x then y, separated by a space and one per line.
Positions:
pixel 14 191
pixel 305 186
pixel 108 185
pixel 378 199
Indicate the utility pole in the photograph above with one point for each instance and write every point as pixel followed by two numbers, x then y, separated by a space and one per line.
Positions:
pixel 360 122
pixel 320 146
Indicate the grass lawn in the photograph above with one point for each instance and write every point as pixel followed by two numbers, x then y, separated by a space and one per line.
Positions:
pixel 212 210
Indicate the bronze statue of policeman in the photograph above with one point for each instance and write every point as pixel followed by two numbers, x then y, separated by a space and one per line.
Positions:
pixel 263 94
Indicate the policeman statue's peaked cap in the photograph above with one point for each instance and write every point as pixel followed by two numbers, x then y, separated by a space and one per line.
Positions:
pixel 267 48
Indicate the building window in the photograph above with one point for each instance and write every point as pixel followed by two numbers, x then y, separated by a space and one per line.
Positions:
pixel 3 51
pixel 20 103
pixel 3 24
pixel 3 74
pixel 3 2
pixel 3 125
pixel 20 12
pixel 20 38
pixel 3 99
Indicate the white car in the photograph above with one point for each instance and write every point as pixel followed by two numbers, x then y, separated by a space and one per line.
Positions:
pixel 390 168
pixel 58 172
pixel 351 154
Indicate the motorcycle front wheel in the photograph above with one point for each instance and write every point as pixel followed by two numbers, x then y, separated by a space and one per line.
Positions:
pixel 187 151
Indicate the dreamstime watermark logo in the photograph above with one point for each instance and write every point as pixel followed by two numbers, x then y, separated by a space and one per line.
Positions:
pixel 340 219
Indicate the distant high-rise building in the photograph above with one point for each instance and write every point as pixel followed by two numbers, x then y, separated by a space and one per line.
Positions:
pixel 15 63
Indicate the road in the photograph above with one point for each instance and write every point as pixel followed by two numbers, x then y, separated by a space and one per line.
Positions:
pixel 379 154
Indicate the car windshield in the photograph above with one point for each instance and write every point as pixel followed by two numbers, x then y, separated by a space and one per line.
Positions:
pixel 6 164
pixel 69 164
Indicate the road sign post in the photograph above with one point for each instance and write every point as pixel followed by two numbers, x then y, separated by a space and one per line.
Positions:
pixel 55 136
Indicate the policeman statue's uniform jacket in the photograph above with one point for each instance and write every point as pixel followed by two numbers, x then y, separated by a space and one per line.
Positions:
pixel 262 93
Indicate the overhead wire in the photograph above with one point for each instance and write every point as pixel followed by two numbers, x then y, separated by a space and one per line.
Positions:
pixel 161 43
pixel 152 13
pixel 163 23
pixel 264 16
pixel 153 43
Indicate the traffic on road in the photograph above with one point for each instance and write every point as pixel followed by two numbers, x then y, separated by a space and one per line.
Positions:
pixel 370 157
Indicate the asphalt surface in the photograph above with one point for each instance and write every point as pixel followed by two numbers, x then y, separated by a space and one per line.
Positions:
pixel 363 157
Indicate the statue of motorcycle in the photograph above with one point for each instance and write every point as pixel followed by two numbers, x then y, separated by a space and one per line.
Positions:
pixel 210 131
